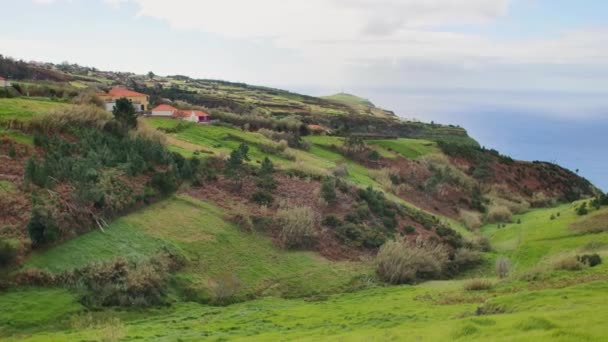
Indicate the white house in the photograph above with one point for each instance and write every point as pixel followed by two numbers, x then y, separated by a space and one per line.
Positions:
pixel 4 82
pixel 164 110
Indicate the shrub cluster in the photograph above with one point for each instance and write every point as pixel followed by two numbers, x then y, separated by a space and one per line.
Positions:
pixel 297 227
pixel 400 263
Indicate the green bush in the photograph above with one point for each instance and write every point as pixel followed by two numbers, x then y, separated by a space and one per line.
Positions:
pixel 331 221
pixel 398 263
pixel 8 251
pixel 582 209
pixel 41 227
pixel 328 190
pixel 262 197
pixel 590 259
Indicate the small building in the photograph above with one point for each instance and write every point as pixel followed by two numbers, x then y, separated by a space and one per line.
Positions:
pixel 196 116
pixel 164 110
pixel 318 129
pixel 4 83
pixel 140 101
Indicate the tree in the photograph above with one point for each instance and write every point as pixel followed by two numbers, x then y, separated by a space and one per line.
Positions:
pixel 373 156
pixel 582 210
pixel 328 190
pixel 151 75
pixel 125 114
pixel 41 227
pixel 354 144
pixel 265 182
pixel 234 168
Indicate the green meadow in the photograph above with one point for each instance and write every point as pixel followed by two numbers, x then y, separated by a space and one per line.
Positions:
pixel 301 296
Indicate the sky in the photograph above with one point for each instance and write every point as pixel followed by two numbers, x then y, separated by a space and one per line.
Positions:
pixel 468 62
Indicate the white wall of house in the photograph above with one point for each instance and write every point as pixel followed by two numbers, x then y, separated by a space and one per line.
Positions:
pixel 162 113
pixel 110 106
pixel 4 83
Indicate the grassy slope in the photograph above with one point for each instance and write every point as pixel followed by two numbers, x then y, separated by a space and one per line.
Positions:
pixel 213 247
pixel 564 306
pixel 409 148
pixel 25 108
pixel 348 99
pixel 539 238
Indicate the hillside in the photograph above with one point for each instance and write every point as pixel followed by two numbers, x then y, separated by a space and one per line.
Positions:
pixel 118 226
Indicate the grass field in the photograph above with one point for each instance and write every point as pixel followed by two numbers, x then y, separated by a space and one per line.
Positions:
pixel 539 238
pixel 559 306
pixel 25 108
pixel 433 311
pixel 408 148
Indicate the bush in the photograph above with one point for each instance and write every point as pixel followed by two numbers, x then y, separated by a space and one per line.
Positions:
pixel 567 264
pixel 582 210
pixel 590 259
pixel 328 190
pixel 499 214
pixel 503 267
pixel 478 285
pixel 224 289
pixel 331 221
pixel 123 283
pixel 398 263
pixel 262 197
pixel 41 227
pixel 470 219
pixel 8 251
pixel 409 229
pixel 480 243
pixel 297 227
pixel 465 258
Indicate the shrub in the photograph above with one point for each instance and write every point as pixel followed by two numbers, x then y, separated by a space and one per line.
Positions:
pixel 8 251
pixel 328 190
pixel 480 243
pixel 240 215
pixel 567 264
pixel 297 227
pixel 331 221
pixel 409 229
pixel 341 170
pixel 478 285
pixel 465 258
pixel 503 267
pixel 123 283
pixel 398 263
pixel 262 197
pixel 590 259
pixel 582 209
pixel 470 219
pixel 41 227
pixel 224 289
pixel 499 214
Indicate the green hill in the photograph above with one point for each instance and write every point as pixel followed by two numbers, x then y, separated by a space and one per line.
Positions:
pixel 257 228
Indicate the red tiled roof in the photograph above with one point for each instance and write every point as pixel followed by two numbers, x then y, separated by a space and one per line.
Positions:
pixel 189 112
pixel 317 127
pixel 122 92
pixel 164 108
pixel 2 78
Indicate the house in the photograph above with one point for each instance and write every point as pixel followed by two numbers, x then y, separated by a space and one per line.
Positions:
pixel 318 129
pixel 197 116
pixel 4 83
pixel 164 110
pixel 140 101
